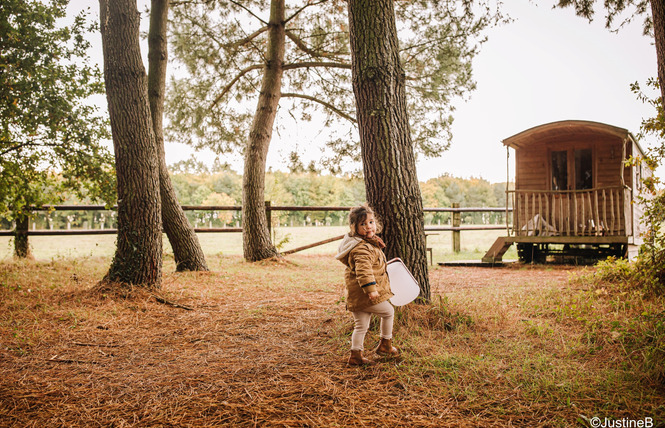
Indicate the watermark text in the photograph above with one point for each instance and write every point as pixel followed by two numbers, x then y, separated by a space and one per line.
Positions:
pixel 597 422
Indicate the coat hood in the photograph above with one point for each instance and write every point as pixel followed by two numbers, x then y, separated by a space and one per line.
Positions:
pixel 348 244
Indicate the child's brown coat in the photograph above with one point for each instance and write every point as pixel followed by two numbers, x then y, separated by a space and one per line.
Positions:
pixel 365 272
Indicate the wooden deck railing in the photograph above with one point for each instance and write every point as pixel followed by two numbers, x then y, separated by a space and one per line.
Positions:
pixel 593 212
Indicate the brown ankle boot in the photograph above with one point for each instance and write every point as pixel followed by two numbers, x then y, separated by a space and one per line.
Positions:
pixel 386 348
pixel 357 359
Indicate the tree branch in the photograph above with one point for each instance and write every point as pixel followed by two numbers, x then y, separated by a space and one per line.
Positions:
pixel 246 39
pixel 33 143
pixel 235 79
pixel 205 30
pixel 323 103
pixel 303 47
pixel 165 301
pixel 180 3
pixel 212 36
pixel 258 50
pixel 249 11
pixel 297 12
pixel 184 2
pixel 316 64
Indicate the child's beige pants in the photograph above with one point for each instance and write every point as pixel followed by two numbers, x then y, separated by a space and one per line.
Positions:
pixel 385 311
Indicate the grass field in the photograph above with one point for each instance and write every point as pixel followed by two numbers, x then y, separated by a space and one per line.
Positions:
pixel 474 244
pixel 265 344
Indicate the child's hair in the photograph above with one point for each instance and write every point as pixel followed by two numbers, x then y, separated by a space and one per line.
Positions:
pixel 359 214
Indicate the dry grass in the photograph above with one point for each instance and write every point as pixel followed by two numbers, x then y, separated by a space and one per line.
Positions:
pixel 265 344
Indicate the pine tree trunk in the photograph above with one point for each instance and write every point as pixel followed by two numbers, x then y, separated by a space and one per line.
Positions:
pixel 21 244
pixel 658 16
pixel 257 244
pixel 138 256
pixel 385 138
pixel 186 247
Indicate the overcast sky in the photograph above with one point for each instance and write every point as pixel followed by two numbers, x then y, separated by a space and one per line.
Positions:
pixel 547 65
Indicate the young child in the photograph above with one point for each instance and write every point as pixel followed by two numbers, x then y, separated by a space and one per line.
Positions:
pixel 367 284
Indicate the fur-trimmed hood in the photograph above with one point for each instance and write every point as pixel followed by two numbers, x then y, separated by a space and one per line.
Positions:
pixel 348 243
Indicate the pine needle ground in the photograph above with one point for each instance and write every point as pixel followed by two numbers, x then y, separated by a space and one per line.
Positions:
pixel 265 344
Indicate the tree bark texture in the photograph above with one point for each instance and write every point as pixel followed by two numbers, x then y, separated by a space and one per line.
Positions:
pixel 186 247
pixel 385 138
pixel 257 244
pixel 658 16
pixel 21 244
pixel 138 256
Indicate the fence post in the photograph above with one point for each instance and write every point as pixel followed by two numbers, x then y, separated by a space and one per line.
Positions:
pixel 268 219
pixel 457 222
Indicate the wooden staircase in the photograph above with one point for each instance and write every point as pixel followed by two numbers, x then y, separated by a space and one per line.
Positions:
pixel 497 250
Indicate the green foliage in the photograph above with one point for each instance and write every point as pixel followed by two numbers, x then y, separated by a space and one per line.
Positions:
pixel 473 192
pixel 313 189
pixel 50 134
pixel 621 274
pixel 626 10
pixel 300 189
pixel 651 260
pixel 613 270
pixel 620 306
pixel 220 43
pixel 438 41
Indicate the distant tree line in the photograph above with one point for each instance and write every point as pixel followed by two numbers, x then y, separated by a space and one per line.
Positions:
pixel 195 184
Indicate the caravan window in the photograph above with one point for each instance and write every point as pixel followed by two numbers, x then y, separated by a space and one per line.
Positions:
pixel 560 170
pixel 583 169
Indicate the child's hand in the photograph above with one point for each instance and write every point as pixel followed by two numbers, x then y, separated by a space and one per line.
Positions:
pixel 373 295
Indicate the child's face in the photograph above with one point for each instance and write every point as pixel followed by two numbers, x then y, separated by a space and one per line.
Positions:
pixel 367 227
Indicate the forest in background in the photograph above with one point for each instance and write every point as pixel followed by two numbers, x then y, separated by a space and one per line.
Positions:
pixel 196 184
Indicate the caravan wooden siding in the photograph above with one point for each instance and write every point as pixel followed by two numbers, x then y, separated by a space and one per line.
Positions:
pixel 530 169
pixel 534 169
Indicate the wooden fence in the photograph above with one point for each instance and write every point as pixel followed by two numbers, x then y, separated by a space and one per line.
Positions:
pixel 456 226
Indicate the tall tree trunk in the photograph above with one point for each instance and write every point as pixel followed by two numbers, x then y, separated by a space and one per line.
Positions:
pixel 138 256
pixel 385 138
pixel 257 244
pixel 186 247
pixel 21 244
pixel 658 17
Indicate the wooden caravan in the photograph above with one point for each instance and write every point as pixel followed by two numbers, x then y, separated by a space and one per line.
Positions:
pixel 574 194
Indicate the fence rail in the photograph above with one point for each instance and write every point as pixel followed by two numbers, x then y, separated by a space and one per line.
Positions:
pixel 455 227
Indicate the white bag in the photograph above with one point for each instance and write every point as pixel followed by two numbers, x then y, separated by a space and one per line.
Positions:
pixel 403 285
